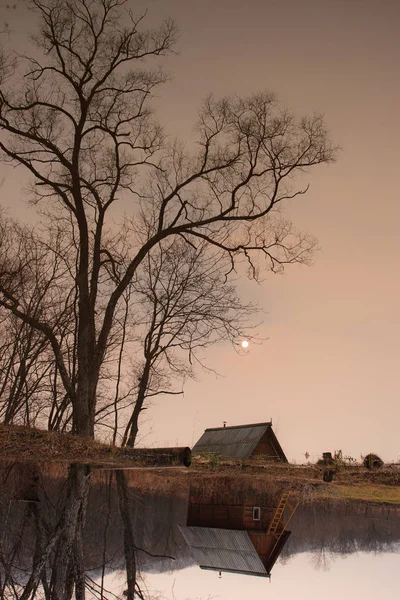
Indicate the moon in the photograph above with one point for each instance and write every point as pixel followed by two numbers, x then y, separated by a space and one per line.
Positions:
pixel 245 344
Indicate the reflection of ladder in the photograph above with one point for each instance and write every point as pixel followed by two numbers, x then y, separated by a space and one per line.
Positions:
pixel 278 514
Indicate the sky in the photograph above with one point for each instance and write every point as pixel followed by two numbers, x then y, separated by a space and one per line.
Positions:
pixel 328 373
pixel 363 576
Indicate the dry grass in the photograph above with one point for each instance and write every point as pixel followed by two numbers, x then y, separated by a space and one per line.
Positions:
pixel 55 451
pixel 377 494
pixel 355 474
pixel 305 483
pixel 28 444
pixel 24 443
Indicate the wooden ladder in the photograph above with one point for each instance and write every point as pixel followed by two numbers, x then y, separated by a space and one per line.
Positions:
pixel 276 519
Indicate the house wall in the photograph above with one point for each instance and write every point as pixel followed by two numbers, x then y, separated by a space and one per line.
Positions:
pixel 265 447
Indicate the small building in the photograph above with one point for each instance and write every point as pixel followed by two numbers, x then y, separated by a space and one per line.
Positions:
pixel 237 538
pixel 241 442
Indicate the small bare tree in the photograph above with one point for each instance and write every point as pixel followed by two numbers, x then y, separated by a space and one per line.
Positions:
pixel 80 122
pixel 37 281
pixel 187 305
pixel 25 372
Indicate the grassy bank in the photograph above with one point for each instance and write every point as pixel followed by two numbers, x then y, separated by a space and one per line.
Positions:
pixel 351 483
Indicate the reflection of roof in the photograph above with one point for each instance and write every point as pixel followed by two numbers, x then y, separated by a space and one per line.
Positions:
pixel 223 550
pixel 272 558
pixel 236 442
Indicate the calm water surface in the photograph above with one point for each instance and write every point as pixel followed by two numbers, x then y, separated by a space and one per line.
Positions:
pixel 76 533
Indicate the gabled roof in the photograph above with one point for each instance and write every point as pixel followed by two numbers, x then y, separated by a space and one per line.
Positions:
pixel 223 550
pixel 238 441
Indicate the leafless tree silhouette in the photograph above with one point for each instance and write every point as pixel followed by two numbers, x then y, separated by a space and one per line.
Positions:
pixel 80 122
pixel 187 305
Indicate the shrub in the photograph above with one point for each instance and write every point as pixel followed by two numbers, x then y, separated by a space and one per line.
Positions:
pixel 373 461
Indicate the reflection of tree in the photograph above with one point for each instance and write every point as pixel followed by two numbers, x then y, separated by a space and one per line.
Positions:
pixel 68 564
pixel 134 588
pixel 129 540
pixel 33 549
pixel 284 559
pixel 106 528
pixel 322 557
pixel 61 543
pixel 67 542
pixel 345 542
pixel 329 529
pixel 375 539
pixel 64 543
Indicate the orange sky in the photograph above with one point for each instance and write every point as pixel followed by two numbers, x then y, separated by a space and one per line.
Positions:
pixel 329 373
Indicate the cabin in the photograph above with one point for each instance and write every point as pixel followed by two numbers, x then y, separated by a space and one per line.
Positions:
pixel 237 537
pixel 241 442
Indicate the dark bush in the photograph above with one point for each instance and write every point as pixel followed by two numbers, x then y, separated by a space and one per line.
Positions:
pixel 328 475
pixel 373 461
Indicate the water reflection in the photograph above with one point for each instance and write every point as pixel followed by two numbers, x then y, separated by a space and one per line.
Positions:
pixel 330 529
pixel 64 530
pixel 238 531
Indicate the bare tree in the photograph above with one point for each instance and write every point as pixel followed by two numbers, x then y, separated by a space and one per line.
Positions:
pixel 37 282
pixel 81 123
pixel 24 369
pixel 187 305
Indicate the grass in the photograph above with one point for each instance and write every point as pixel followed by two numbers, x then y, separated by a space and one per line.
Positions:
pixel 351 483
pixel 377 494
pixel 306 489
pixel 19 443
pixel 25 443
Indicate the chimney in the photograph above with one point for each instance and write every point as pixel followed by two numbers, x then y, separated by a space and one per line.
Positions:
pixel 224 423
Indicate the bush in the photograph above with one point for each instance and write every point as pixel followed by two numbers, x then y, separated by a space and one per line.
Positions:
pixel 373 461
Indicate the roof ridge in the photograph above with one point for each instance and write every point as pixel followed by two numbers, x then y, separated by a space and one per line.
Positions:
pixel 239 426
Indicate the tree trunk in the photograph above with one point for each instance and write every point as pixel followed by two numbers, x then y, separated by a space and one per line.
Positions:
pixel 133 425
pixel 84 405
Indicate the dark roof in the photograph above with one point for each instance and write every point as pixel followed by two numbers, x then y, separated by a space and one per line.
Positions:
pixel 223 550
pixel 237 441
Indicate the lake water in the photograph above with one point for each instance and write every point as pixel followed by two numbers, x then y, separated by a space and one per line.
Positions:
pixel 74 532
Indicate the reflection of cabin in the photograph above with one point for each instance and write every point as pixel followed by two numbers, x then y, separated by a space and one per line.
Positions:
pixel 238 538
pixel 223 550
pixel 241 441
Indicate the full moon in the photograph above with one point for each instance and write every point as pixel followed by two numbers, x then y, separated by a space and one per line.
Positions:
pixel 245 344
